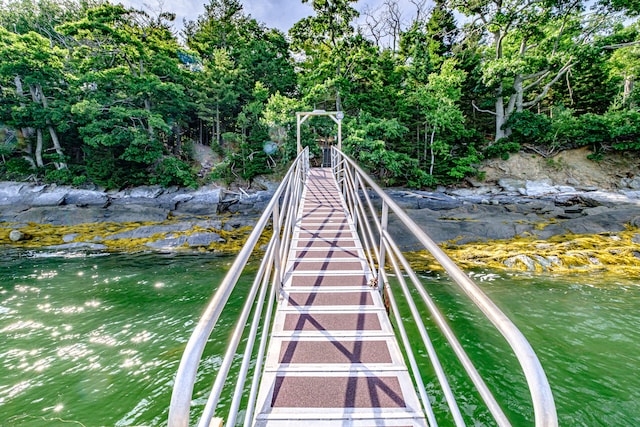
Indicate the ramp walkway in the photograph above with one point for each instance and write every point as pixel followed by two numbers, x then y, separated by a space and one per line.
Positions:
pixel 333 358
pixel 322 338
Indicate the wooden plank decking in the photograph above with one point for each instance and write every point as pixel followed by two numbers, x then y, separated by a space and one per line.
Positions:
pixel 333 359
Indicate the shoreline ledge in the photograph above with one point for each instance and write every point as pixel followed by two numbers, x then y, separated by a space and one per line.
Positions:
pixel 511 223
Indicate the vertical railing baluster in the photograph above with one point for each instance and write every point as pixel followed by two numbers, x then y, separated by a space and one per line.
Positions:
pixel 276 243
pixel 384 221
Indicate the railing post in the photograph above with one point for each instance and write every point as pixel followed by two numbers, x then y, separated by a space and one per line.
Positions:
pixel 276 244
pixel 298 143
pixel 354 200
pixel 384 221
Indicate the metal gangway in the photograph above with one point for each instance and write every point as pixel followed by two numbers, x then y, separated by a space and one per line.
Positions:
pixel 321 340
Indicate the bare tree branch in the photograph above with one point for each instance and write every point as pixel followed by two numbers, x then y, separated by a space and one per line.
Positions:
pixel 546 88
pixel 539 76
pixel 420 8
pixel 621 45
pixel 481 110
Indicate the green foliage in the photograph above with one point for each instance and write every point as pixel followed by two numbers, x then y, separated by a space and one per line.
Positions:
pixel 625 130
pixel 223 171
pixel 527 126
pixel 617 129
pixel 59 176
pixel 96 92
pixel 173 171
pixel 501 149
pixel 465 165
pixel 366 144
pixel 17 168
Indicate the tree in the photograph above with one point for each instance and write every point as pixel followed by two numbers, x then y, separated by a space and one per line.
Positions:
pixel 368 144
pixel 325 40
pixel 252 53
pixel 632 7
pixel 531 47
pixel 624 63
pixel 442 32
pixel 219 93
pixel 36 71
pixel 128 91
pixel 443 120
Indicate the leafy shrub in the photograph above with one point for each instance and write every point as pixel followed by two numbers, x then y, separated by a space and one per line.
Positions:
pixel 173 171
pixel 566 131
pixel 18 166
pixel 465 165
pixel 625 129
pixel 223 171
pixel 619 129
pixel 529 127
pixel 58 176
pixel 501 149
pixel 593 130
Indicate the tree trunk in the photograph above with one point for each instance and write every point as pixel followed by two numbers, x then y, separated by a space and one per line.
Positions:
pixel 426 142
pixel 26 132
pixel 518 96
pixel 147 107
pixel 433 154
pixel 39 161
pixel 218 138
pixel 54 135
pixel 418 142
pixel 38 97
pixel 177 131
pixel 57 147
pixel 628 88
pixel 338 98
pixel 500 116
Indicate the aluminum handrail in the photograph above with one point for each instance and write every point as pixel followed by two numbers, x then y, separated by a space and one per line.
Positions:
pixel 280 213
pixel 382 254
pixel 355 183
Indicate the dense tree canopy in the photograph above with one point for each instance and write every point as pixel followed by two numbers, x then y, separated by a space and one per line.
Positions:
pixel 93 93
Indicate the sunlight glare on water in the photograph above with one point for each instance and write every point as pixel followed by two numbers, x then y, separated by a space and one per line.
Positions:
pixel 95 339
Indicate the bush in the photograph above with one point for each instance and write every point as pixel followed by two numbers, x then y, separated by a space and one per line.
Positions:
pixel 18 167
pixel 615 129
pixel 593 130
pixel 527 127
pixel 173 171
pixel 58 176
pixel 625 129
pixel 465 165
pixel 501 149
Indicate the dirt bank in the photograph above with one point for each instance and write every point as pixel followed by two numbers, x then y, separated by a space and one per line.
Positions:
pixel 571 168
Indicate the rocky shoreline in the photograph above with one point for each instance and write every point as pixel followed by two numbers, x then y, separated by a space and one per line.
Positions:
pixel 210 218
pixel 154 218
pixel 514 208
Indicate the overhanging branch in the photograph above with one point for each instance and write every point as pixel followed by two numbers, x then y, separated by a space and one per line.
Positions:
pixel 546 88
pixel 621 45
pixel 481 110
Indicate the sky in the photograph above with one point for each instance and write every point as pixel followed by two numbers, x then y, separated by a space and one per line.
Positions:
pixel 281 14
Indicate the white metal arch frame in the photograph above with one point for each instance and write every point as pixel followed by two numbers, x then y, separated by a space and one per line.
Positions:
pixel 336 116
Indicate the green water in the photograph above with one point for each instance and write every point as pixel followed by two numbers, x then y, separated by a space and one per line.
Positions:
pixel 95 339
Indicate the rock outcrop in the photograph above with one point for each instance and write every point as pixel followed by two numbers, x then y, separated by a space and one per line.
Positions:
pixel 166 219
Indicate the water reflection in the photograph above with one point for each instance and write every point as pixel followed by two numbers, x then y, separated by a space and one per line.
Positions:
pixel 95 340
